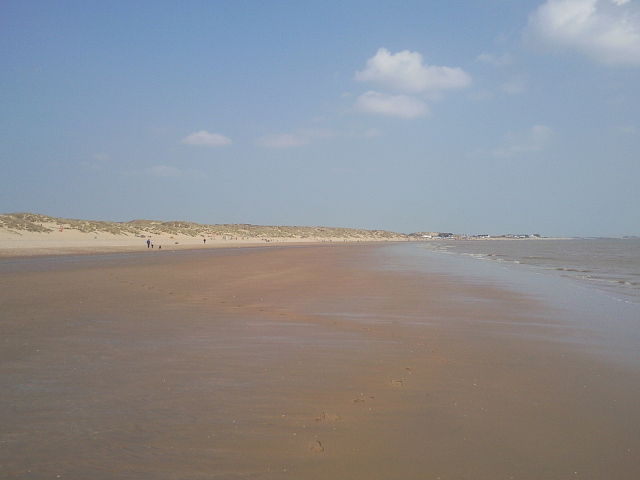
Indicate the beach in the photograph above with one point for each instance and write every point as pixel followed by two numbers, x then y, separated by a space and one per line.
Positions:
pixel 340 361
pixel 29 234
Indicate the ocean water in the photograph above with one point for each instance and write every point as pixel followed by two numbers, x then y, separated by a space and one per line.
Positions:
pixel 611 265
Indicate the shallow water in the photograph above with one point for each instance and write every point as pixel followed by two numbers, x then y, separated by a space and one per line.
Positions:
pixel 610 264
pixel 610 317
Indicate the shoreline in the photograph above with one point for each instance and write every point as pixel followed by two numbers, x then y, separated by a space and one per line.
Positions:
pixel 299 363
pixel 39 245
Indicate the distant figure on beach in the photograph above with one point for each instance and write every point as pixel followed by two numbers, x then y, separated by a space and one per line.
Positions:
pixel 159 247
pixel 148 243
pixel 204 240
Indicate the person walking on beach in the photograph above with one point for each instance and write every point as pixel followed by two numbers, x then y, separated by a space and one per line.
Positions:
pixel 204 240
pixel 148 243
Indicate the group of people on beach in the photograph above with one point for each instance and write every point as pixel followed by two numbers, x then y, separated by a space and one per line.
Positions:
pixel 150 244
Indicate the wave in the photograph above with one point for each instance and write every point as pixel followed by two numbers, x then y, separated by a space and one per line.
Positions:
pixel 610 265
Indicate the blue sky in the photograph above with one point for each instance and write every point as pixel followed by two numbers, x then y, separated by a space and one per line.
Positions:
pixel 480 117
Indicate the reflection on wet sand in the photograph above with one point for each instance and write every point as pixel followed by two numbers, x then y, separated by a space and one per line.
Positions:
pixel 304 363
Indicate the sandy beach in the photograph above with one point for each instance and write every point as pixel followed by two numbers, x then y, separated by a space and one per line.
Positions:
pixel 28 234
pixel 280 240
pixel 301 362
pixel 70 242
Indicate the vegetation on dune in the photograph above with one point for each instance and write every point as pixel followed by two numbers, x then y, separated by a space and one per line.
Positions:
pixel 29 222
pixel 32 222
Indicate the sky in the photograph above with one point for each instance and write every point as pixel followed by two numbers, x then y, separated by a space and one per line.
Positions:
pixel 499 116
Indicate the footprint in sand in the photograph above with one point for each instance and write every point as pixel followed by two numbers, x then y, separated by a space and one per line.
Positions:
pixel 328 417
pixel 397 383
pixel 316 447
pixel 361 398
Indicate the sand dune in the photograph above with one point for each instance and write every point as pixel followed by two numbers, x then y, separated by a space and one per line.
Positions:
pixel 35 234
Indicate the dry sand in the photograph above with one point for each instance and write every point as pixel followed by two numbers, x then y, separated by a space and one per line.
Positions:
pixel 68 241
pixel 296 363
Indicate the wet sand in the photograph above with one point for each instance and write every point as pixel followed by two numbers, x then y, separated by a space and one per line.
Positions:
pixel 301 363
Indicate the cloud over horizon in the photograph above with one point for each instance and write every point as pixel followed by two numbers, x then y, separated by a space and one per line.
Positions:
pixel 403 106
pixel 206 139
pixel 406 72
pixel 408 82
pixel 608 31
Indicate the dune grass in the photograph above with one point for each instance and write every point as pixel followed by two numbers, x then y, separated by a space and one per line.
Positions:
pixel 33 222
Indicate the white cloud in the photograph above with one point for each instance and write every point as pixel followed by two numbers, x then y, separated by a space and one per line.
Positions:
pixel 514 86
pixel 495 60
pixel 405 72
pixel 535 139
pixel 403 106
pixel 607 31
pixel 206 139
pixel 164 171
pixel 295 139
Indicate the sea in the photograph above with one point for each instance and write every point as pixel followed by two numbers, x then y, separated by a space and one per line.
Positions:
pixel 609 264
